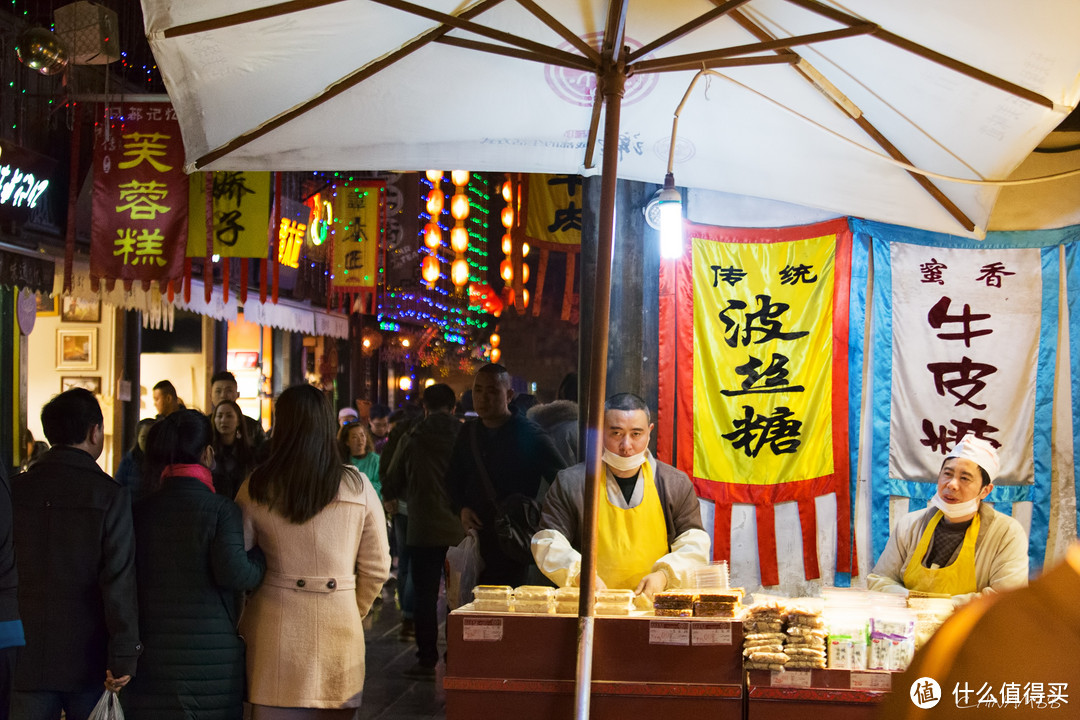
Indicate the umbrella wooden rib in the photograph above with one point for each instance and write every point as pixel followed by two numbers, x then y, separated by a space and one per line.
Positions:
pixel 689 27
pixel 564 32
pixel 547 58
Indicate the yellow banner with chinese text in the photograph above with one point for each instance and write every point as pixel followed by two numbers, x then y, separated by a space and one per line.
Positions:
pixel 356 233
pixel 553 213
pixel 763 386
pixel 241 214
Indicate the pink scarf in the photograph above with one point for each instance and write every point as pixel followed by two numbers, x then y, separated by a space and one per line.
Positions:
pixel 199 472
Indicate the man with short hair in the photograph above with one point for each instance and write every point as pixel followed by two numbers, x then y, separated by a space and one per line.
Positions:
pixel 75 552
pixel 223 387
pixel 649 534
pixel 165 400
pixel 415 477
pixel 506 451
pixel 379 422
pixel 959 546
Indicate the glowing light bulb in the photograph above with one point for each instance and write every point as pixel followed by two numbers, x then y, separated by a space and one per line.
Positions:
pixel 459 239
pixel 459 177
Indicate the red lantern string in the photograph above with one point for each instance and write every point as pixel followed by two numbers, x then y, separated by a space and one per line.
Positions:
pixel 208 262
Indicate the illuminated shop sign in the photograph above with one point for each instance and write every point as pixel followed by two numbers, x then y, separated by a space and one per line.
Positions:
pixel 24 178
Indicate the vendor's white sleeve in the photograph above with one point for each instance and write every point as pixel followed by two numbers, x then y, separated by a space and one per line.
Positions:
pixel 689 551
pixel 555 557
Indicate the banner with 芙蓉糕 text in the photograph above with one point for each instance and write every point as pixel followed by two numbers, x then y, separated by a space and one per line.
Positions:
pixel 140 197
pixel 760 378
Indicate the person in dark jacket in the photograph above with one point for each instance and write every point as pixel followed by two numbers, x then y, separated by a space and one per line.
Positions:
pixel 191 563
pixel 234 455
pixel 415 477
pixel 11 630
pixel 130 472
pixel 75 554
pixel 559 419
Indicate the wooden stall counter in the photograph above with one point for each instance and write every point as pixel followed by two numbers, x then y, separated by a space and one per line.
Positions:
pixel 523 666
pixel 836 694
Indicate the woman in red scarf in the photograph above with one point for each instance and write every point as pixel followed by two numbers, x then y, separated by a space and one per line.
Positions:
pixel 191 566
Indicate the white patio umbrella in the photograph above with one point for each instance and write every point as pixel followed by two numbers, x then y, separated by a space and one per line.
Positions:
pixel 811 103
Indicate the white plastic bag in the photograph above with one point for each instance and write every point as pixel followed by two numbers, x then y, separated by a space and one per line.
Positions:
pixel 463 567
pixel 107 708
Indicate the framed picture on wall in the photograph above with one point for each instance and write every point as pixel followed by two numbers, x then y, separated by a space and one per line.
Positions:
pixel 46 304
pixel 76 349
pixel 73 309
pixel 93 384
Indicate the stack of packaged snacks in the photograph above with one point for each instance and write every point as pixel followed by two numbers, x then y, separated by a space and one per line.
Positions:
pixel 847 622
pixel 534 599
pixel 892 639
pixel 806 633
pixel 566 600
pixel 714 602
pixel 674 603
pixel 930 613
pixel 493 598
pixel 764 637
pixel 614 602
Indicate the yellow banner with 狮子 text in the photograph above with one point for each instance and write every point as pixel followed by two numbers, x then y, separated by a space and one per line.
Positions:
pixel 241 214
pixel 763 345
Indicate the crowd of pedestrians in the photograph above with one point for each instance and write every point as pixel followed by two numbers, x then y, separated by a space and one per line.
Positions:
pixel 222 567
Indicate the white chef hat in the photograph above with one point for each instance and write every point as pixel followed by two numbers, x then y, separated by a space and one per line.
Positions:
pixel 980 452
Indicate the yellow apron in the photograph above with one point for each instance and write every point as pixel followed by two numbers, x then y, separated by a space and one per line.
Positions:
pixel 955 579
pixel 630 541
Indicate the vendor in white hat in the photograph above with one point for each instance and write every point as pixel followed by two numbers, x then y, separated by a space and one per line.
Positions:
pixel 958 546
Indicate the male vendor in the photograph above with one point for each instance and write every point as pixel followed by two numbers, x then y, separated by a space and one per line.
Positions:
pixel 958 546
pixel 649 534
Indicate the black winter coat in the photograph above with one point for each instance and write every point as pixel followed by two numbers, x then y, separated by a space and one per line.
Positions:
pixel 191 564
pixel 76 560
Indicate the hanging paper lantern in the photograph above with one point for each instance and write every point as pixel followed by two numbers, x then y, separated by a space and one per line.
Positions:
pixel 507 191
pixel 524 249
pixel 525 296
pixel 41 50
pixel 435 200
pixel 459 272
pixel 507 244
pixel 435 176
pixel 524 273
pixel 495 340
pixel 496 353
pixel 459 239
pixel 508 217
pixel 432 235
pixel 506 270
pixel 459 206
pixel 429 269
pixel 459 177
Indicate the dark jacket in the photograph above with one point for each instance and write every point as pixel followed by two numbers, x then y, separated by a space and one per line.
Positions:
pixel 191 564
pixel 415 475
pixel 11 632
pixel 75 553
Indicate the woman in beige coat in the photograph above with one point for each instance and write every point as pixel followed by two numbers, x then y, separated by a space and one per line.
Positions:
pixel 323 531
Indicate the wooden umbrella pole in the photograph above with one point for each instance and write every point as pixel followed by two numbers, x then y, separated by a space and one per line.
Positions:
pixel 613 82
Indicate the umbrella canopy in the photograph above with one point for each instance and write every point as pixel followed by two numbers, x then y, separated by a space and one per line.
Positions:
pixel 807 101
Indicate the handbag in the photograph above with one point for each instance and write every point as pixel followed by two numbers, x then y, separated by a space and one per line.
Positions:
pixel 107 708
pixel 517 516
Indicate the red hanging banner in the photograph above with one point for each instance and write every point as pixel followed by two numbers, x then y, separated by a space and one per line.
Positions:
pixel 140 199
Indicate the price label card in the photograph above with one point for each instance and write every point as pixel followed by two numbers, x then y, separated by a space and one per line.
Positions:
pixel 710 633
pixel 482 629
pixel 790 678
pixel 662 632
pixel 871 681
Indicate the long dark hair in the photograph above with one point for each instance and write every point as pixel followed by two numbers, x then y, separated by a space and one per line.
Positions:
pixel 242 444
pixel 179 438
pixel 304 469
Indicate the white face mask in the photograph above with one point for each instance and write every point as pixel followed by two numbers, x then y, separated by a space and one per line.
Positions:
pixel 619 463
pixel 954 510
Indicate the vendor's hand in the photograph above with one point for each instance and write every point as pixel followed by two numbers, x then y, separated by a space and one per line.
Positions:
pixel 651 584
pixel 113 684
pixel 470 520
